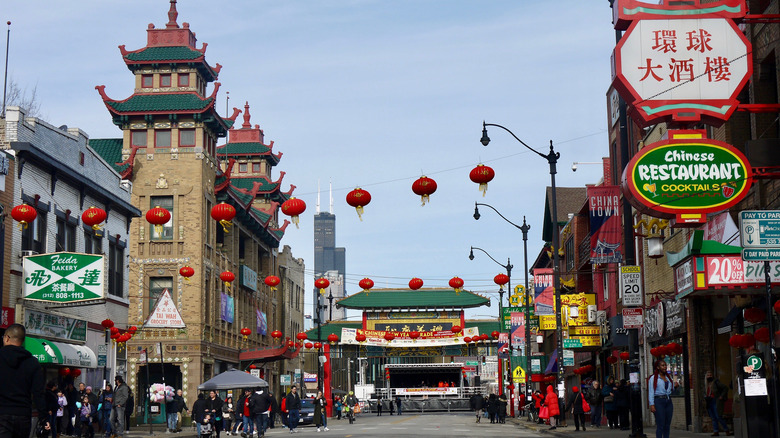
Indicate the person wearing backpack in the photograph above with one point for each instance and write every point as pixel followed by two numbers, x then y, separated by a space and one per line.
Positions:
pixel 577 409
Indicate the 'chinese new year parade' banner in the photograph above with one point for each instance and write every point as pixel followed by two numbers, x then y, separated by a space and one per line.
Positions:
pixel 402 339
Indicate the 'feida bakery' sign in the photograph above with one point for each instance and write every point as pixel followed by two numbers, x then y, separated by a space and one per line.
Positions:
pixel 686 176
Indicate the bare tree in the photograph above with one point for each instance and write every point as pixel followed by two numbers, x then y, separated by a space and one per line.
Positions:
pixel 23 97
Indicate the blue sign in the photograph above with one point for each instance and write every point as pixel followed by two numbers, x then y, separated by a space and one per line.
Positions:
pixel 759 229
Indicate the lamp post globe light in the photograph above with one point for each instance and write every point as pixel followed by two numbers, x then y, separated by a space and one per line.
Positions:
pixel 524 229
pixel 552 159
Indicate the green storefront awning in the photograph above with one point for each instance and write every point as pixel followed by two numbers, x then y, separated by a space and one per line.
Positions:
pixel 44 350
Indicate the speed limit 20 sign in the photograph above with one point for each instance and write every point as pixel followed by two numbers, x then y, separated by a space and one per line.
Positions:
pixel 631 285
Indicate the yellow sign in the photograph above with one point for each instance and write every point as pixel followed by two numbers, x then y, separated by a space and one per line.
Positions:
pixel 581 302
pixel 547 322
pixel 518 297
pixel 518 375
pixel 585 330
pixel 588 341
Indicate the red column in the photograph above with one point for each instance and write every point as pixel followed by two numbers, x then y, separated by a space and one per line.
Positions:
pixel 326 368
pixel 500 376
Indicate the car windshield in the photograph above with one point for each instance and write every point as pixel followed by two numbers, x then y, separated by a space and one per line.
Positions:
pixel 306 403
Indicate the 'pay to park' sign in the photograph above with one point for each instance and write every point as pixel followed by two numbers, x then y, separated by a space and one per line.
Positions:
pixel 63 277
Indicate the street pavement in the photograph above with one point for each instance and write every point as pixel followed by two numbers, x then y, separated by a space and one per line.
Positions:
pixel 604 431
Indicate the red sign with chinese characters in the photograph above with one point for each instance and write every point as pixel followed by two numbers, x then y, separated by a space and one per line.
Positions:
pixel 682 69
pixel 7 317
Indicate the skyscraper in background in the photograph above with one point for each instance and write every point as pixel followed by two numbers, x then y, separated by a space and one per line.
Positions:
pixel 329 261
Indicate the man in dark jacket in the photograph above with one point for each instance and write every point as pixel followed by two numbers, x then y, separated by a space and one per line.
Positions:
pixel 293 404
pixel 199 411
pixel 121 395
pixel 476 403
pixel 21 377
pixel 259 404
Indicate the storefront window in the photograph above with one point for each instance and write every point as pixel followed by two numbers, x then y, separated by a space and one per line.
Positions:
pixel 676 370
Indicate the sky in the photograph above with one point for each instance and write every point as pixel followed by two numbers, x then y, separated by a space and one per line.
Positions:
pixel 370 94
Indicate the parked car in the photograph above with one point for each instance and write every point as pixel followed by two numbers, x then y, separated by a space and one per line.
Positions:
pixel 307 411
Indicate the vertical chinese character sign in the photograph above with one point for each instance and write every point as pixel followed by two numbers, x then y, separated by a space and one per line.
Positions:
pixel 63 277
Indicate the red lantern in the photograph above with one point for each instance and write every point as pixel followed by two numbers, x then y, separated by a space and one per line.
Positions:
pixel 456 283
pixel 415 283
pixel 294 207
pixel 748 340
pixel 272 281
pixel 276 334
pixel 484 336
pixel 317 345
pixel 482 175
pixel 366 284
pixel 414 334
pixel 456 329
pixel 299 344
pixel 64 371
pixel 754 315
pixel 223 213
pixel 93 217
pixel 290 344
pixel 75 372
pixel 624 355
pixel 132 329
pixel 308 345
pixel 389 336
pixel 158 217
pixel 321 283
pixel 358 198
pixel 511 387
pixel 424 187
pixel 360 337
pixel 186 272
pixel 495 334
pixel 24 214
pixel 467 339
pixel 107 323
pixel 501 280
pixel 253 367
pixel 777 306
pixel 612 360
pixel 676 348
pixel 245 332
pixel 114 330
pixel 762 335
pixel 301 336
pixel 333 338
pixel 228 278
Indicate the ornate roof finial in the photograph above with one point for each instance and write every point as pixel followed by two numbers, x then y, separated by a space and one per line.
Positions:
pixel 246 124
pixel 172 15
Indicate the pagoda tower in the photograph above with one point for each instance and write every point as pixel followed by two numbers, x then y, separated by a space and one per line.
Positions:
pixel 168 150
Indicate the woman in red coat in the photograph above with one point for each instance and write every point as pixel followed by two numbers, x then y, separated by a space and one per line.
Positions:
pixel 551 401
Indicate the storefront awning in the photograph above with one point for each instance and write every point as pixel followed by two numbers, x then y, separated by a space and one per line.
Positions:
pixel 60 353
pixel 43 350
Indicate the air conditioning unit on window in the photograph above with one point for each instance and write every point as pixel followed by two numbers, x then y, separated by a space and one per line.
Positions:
pixel 29 252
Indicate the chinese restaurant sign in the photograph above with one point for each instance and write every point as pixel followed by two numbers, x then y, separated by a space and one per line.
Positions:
pixel 682 65
pixel 63 277
pixel 685 175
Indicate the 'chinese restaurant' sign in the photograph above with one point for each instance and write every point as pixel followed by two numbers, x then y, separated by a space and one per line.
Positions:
pixel 681 66
pixel 63 277
pixel 679 176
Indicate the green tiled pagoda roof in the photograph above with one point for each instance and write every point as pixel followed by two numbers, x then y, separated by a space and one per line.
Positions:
pixel 243 149
pixel 242 197
pixel 161 103
pixel 249 183
pixel 413 299
pixel 179 53
pixel 333 328
pixel 110 149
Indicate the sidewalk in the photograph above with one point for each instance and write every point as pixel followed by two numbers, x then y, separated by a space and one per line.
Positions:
pixel 603 431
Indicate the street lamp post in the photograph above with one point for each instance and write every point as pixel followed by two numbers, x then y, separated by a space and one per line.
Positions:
pixel 524 229
pixel 330 305
pixel 320 308
pixel 508 268
pixel 552 159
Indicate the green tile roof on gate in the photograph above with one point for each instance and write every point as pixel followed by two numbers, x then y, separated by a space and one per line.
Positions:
pixel 161 103
pixel 413 299
pixel 179 53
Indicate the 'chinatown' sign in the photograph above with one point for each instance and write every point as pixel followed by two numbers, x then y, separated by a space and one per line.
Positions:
pixel 63 277
pixel 686 175
pixel 682 64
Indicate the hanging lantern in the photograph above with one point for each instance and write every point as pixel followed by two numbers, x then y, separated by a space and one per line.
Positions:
pixel 64 372
pixel 482 175
pixel 223 213
pixel 747 341
pixel 132 329
pixel 107 323
pixel 612 360
pixel 321 283
pixel 158 217
pixel 124 337
pixel 366 284
pixel 495 334
pixel 299 344
pixel 467 339
pixel 358 198
pixel 501 280
pixel 294 207
pixel 24 214
pixel 301 336
pixel 186 272
pixel 245 332
pixel 754 315
pixel 456 283
pixel 424 187
pixel 93 217
pixel 75 372
pixel 317 345
pixel 360 337
pixel 624 355
pixel 253 367
pixel 456 329
pixel 762 335
pixel 290 343
pixel 333 338
pixel 276 334
pixel 228 278
pixel 415 283
pixel 389 336
pixel 777 306
pixel 114 330
pixel 414 335
pixel 272 281
pixel 308 345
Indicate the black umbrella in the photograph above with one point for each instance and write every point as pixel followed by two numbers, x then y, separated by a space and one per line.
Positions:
pixel 232 379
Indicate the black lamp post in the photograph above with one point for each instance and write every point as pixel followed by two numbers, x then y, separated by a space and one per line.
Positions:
pixel 552 160
pixel 320 308
pixel 330 305
pixel 524 229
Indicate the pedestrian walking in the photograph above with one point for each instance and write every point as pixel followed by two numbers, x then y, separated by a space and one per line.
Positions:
pixel 260 402
pixel 105 404
pixel 715 395
pixel 172 414
pixel 660 387
pixel 476 404
pixel 293 403
pixel 50 398
pixel 492 408
pixel 121 395
pixel 501 409
pixel 180 407
pixel 320 413
pixel 228 410
pixel 337 405
pixel 538 402
pixel 379 407
pixel 21 380
pixel 214 409
pixel 199 412
pixel 575 404
pixel 397 404
pixel 610 407
pixel 553 408
pixel 595 399
pixel 623 402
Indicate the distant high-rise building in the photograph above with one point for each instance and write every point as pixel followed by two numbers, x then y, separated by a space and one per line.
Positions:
pixel 329 260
